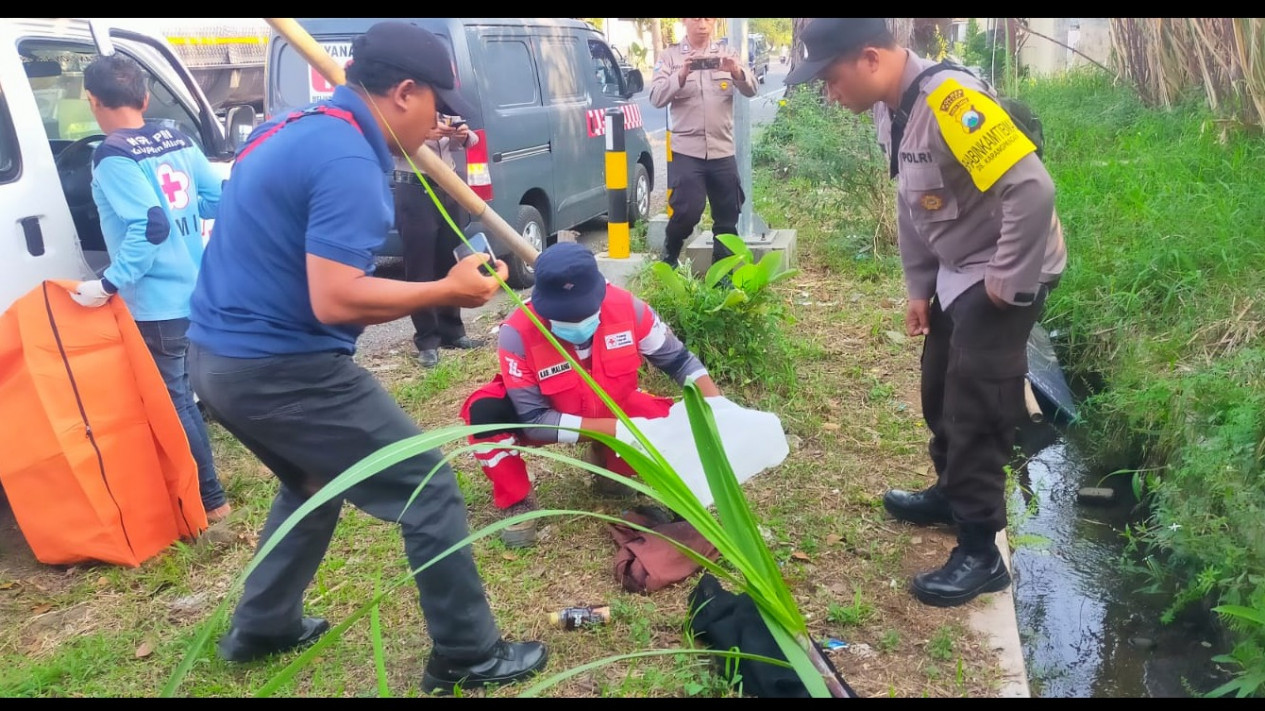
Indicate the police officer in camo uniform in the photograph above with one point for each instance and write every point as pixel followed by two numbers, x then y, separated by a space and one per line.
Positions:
pixel 703 165
pixel 981 247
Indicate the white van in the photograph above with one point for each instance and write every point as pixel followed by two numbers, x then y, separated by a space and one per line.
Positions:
pixel 47 134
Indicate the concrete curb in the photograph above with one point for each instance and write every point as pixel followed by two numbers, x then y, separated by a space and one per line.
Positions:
pixel 998 623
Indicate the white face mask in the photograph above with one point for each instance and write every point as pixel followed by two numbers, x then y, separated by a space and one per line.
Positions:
pixel 577 333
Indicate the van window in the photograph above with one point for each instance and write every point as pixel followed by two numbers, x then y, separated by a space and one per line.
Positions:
pixel 295 83
pixel 605 67
pixel 10 162
pixel 55 72
pixel 562 75
pixel 513 81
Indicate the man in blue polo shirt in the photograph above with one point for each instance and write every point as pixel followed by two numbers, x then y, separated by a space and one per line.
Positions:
pixel 285 290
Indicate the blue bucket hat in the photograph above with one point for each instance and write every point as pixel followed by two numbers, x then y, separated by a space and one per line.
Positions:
pixel 569 286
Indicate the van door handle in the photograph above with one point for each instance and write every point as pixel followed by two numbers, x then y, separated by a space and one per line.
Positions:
pixel 34 236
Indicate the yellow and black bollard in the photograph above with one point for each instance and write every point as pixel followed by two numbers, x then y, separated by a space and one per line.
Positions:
pixel 667 149
pixel 617 185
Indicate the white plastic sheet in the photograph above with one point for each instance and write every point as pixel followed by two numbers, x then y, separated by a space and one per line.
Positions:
pixel 753 440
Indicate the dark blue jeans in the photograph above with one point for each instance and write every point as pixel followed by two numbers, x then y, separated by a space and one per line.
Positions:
pixel 170 347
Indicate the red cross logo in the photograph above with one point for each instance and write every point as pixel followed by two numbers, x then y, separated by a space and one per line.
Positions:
pixel 319 84
pixel 175 185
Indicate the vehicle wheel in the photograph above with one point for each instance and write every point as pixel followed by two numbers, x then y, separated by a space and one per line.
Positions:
pixel 638 196
pixel 531 226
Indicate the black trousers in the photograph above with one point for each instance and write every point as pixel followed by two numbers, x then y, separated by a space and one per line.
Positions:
pixel 309 417
pixel 974 363
pixel 490 411
pixel 694 181
pixel 428 242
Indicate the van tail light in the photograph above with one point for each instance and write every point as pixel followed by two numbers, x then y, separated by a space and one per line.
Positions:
pixel 477 175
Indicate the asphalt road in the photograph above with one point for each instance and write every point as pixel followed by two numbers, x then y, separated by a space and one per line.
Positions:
pixel 397 334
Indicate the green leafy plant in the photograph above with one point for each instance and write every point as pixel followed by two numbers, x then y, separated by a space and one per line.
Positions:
pixel 732 319
pixel 735 535
pixel 1248 655
pixel 832 152
pixel 639 55
pixel 379 655
pixel 974 48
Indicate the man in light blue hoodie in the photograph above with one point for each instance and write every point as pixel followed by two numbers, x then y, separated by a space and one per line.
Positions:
pixel 153 187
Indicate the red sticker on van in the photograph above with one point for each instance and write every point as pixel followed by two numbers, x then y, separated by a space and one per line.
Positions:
pixel 596 119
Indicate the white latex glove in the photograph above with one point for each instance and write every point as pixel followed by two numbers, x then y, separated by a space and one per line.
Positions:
pixel 90 293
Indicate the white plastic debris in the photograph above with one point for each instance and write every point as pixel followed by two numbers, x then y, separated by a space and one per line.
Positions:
pixel 753 440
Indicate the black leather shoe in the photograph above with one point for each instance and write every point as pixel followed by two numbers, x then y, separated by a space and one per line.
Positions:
pixel 509 662
pixel 963 578
pixel 464 343
pixel 238 646
pixel 923 508
pixel 428 358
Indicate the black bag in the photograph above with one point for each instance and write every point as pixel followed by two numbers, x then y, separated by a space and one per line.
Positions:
pixel 1024 117
pixel 723 620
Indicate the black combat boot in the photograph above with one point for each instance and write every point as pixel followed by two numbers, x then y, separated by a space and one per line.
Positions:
pixel 508 662
pixel 923 508
pixel 241 646
pixel 975 566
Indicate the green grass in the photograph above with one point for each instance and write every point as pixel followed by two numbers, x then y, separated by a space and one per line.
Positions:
pixel 1162 307
pixel 889 642
pixel 941 645
pixel 851 615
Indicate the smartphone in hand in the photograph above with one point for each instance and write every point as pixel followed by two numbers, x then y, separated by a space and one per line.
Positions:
pixel 697 63
pixel 479 243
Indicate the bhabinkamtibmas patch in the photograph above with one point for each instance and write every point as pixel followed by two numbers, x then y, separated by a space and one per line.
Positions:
pixel 984 138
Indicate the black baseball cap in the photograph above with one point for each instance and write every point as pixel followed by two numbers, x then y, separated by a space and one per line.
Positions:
pixel 828 38
pixel 420 54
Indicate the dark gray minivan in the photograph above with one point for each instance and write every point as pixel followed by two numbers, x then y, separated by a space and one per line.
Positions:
pixel 540 87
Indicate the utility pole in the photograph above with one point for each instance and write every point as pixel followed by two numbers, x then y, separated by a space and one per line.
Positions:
pixel 749 225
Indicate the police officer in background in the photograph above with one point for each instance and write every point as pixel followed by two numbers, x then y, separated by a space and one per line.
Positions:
pixel 429 241
pixel 698 79
pixel 981 246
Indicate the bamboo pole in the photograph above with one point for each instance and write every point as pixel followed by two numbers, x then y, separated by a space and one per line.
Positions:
pixel 1030 401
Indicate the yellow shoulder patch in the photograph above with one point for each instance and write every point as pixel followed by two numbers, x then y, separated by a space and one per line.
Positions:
pixel 981 135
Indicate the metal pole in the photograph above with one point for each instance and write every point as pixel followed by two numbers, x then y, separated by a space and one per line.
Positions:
pixel 618 241
pixel 742 124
